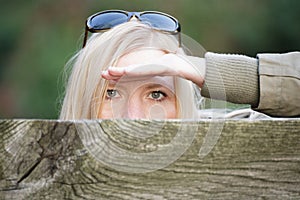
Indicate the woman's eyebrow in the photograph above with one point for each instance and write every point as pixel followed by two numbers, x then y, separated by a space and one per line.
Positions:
pixel 111 85
pixel 116 86
pixel 156 85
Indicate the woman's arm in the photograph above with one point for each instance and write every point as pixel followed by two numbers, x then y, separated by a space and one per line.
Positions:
pixel 269 83
pixel 234 75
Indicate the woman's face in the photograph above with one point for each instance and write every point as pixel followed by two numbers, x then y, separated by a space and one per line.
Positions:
pixel 151 98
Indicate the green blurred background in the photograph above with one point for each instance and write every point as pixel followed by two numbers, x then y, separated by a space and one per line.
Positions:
pixel 38 37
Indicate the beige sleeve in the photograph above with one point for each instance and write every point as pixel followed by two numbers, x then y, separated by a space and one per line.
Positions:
pixel 270 84
pixel 279 84
pixel 233 78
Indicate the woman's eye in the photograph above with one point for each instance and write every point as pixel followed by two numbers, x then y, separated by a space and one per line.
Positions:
pixel 112 94
pixel 157 95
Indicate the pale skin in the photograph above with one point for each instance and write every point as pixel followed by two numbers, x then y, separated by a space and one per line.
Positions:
pixel 141 85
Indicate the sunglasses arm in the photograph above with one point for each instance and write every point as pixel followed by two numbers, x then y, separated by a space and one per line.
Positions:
pixel 179 39
pixel 85 36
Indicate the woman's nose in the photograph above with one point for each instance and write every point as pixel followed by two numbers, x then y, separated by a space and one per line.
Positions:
pixel 135 110
pixel 138 110
pixel 130 107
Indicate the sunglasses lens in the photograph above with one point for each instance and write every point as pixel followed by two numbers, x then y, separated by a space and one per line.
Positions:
pixel 159 21
pixel 107 20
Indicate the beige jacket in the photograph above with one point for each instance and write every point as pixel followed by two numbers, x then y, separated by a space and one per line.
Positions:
pixel 270 83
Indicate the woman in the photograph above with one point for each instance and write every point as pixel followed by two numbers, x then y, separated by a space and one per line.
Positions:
pixel 137 68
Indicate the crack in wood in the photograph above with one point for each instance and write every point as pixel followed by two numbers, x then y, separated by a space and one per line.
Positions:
pixel 29 171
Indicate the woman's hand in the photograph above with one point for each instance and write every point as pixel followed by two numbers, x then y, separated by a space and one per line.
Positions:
pixel 190 68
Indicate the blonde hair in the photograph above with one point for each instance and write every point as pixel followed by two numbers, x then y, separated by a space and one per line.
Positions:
pixel 85 88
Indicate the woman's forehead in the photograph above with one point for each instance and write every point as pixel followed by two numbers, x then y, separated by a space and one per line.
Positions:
pixel 139 56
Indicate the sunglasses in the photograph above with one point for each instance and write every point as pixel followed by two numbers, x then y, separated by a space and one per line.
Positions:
pixel 105 20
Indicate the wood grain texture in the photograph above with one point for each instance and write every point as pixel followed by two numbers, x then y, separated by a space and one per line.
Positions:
pixel 48 159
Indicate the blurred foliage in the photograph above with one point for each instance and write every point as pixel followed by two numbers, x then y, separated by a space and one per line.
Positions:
pixel 38 37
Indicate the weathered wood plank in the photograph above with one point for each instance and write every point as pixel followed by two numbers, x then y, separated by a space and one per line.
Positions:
pixel 137 159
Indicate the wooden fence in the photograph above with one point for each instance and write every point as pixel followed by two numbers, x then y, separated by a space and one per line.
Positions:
pixel 140 159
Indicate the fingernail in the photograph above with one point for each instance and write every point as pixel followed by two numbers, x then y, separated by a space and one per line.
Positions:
pixel 104 73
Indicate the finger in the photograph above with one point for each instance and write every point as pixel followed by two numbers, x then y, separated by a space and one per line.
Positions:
pixel 116 71
pixel 145 70
pixel 107 76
